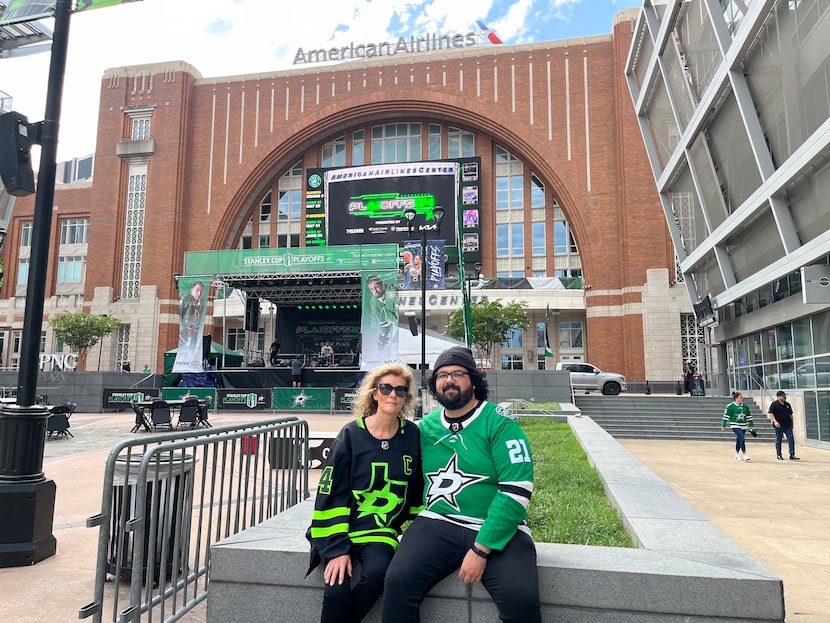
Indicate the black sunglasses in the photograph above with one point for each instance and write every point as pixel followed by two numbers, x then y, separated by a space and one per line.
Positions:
pixel 400 390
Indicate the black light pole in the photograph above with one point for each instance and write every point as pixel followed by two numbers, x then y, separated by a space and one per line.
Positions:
pixel 409 214
pixel 469 279
pixel 27 497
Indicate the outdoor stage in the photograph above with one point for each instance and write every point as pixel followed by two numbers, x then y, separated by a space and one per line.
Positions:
pixel 258 377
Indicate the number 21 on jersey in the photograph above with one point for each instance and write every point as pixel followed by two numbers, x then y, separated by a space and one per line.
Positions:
pixel 517 450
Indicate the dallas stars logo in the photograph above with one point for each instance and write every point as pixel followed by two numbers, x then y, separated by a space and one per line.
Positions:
pixel 448 482
pixel 300 399
pixel 381 501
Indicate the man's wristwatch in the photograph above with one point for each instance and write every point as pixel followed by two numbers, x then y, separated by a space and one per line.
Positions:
pixel 480 552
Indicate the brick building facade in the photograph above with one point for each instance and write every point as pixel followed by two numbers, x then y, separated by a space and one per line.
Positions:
pixel 183 163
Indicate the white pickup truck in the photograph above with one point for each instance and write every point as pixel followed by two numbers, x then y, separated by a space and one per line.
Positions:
pixel 589 377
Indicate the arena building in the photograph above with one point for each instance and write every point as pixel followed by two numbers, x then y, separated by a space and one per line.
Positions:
pixel 570 221
pixel 733 101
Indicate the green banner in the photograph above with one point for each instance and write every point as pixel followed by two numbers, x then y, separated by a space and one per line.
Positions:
pixel 379 323
pixel 177 393
pixel 301 399
pixel 17 11
pixel 192 303
pixel 298 260
pixel 87 5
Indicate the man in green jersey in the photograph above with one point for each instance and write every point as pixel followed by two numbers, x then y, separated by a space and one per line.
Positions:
pixel 478 477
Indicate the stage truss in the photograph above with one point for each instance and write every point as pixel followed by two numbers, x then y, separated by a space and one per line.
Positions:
pixel 296 288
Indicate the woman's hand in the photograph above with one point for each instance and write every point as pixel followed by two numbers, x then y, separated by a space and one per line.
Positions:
pixel 337 569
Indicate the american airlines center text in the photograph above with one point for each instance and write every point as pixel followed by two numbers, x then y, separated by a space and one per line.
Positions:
pixel 413 45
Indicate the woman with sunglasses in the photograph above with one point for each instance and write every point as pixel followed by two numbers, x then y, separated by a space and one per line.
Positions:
pixel 371 483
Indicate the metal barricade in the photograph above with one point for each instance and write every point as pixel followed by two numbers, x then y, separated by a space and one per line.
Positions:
pixel 168 498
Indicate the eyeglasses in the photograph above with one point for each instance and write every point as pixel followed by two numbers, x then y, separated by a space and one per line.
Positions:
pixel 400 390
pixel 456 375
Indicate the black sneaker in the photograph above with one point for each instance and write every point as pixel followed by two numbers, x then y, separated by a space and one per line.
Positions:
pixel 794 458
pixel 780 458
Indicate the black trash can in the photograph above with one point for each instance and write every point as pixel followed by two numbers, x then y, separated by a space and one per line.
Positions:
pixel 167 508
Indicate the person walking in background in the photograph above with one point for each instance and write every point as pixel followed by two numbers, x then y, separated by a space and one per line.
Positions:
pixel 296 372
pixel 781 415
pixel 371 483
pixel 478 474
pixel 738 416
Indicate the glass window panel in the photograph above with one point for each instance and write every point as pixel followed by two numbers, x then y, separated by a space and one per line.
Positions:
pixel 678 80
pixel 712 198
pixel 755 245
pixel 661 122
pixel 517 239
pixel 26 234
pixel 811 414
pixel 502 193
pixel 22 272
pixel 537 192
pixel 502 241
pixel 821 333
pixel 687 211
pixel 808 191
pixel 786 375
pixel 539 242
pixel 784 335
pixel 512 339
pixel 707 276
pixel 560 240
pixel 769 351
pixel 646 48
pixel 801 337
pixel 694 32
pixel 737 171
pixel 823 415
pixel 358 147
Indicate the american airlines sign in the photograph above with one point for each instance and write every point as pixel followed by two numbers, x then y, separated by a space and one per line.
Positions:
pixel 430 43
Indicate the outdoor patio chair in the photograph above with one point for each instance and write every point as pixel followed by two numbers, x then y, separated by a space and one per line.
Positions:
pixel 189 412
pixel 160 415
pixel 58 422
pixel 140 417
pixel 203 411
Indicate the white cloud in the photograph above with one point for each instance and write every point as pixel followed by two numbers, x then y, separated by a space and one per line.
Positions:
pixel 222 38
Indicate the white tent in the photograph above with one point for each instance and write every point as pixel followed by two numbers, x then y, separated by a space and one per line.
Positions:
pixel 409 346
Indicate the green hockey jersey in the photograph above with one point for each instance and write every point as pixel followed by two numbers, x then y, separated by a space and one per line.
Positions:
pixel 368 488
pixel 480 477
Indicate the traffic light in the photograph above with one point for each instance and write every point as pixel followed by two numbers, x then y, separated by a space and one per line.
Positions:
pixel 16 138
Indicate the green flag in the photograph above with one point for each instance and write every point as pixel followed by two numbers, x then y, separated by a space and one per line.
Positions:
pixel 85 5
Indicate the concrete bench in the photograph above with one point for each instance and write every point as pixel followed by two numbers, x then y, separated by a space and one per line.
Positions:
pixel 684 570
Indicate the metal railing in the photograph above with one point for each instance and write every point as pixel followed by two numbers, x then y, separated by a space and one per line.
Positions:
pixel 168 498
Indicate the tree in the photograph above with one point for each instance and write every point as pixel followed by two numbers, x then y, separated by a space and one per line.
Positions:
pixel 83 331
pixel 492 320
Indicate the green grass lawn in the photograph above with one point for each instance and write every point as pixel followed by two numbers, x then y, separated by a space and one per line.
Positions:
pixel 568 504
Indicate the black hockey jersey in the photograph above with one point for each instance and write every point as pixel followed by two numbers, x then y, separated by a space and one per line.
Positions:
pixel 368 488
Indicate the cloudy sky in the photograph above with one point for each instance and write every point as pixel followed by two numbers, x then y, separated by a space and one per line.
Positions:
pixel 247 36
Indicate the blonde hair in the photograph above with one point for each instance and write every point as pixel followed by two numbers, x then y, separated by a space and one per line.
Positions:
pixel 365 404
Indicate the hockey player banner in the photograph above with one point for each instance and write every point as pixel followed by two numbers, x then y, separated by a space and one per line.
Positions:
pixel 192 304
pixel 379 318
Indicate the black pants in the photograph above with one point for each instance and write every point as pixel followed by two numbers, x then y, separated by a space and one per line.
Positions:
pixel 344 604
pixel 432 549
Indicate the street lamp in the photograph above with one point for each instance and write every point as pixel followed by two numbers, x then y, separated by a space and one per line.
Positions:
pixel 438 215
pixel 469 279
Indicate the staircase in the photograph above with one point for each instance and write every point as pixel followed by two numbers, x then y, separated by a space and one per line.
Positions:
pixel 668 417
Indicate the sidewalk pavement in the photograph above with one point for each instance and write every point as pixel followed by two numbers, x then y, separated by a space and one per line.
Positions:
pixel 778 511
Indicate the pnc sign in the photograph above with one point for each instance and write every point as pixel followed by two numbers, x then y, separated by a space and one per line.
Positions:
pixel 59 361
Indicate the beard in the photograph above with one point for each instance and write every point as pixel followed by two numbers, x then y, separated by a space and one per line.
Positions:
pixel 453 398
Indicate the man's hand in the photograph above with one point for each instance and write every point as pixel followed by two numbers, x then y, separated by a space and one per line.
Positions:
pixel 337 569
pixel 472 568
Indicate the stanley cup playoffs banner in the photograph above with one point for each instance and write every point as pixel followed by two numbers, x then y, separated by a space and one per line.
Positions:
pixel 193 294
pixel 379 323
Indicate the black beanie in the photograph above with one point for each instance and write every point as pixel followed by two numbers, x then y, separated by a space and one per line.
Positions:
pixel 457 355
